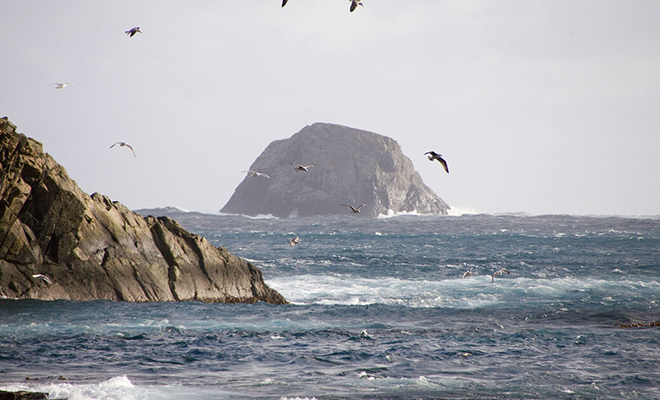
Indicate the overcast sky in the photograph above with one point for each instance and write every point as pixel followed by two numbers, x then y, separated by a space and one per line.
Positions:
pixel 542 107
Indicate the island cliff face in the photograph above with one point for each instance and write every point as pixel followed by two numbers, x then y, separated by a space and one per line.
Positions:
pixel 351 166
pixel 89 247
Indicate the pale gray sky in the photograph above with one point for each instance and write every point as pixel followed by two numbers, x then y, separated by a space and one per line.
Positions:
pixel 538 106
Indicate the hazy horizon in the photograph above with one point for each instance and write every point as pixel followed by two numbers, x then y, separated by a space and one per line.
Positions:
pixel 538 107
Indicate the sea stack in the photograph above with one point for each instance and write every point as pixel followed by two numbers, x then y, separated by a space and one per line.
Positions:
pixel 56 242
pixel 351 166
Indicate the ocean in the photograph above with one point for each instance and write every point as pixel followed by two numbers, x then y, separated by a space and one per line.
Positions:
pixel 379 310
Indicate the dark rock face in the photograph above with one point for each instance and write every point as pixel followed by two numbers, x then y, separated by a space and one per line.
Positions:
pixel 22 395
pixel 90 247
pixel 350 167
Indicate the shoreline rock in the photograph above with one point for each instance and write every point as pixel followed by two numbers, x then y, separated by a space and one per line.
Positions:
pixel 57 242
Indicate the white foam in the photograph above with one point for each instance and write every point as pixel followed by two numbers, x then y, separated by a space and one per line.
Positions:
pixel 391 213
pixel 458 211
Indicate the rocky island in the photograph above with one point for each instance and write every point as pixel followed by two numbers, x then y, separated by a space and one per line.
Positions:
pixel 350 166
pixel 56 242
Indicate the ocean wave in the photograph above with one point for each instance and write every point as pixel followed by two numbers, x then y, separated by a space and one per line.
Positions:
pixel 469 293
pixel 258 216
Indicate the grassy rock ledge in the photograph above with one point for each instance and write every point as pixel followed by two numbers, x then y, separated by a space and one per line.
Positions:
pixel 92 248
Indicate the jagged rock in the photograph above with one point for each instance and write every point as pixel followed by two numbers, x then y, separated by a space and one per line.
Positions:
pixel 350 167
pixel 90 247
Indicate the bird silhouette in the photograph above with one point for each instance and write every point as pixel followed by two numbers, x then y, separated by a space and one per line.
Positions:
pixel 124 144
pixel 354 210
pixel 435 156
pixel 299 167
pixel 355 3
pixel 133 31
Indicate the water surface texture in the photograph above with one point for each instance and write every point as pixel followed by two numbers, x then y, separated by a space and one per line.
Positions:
pixel 379 309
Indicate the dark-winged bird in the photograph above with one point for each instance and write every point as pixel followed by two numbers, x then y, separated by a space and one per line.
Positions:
pixel 132 32
pixel 284 2
pixel 299 167
pixel 435 156
pixel 355 3
pixel 354 210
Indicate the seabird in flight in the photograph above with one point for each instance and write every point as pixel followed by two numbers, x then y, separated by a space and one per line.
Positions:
pixel 354 210
pixel 257 174
pixel 435 156
pixel 132 32
pixel 355 3
pixel 122 144
pixel 294 241
pixel 299 167
pixel 44 277
pixel 498 273
pixel 62 85
pixel 468 273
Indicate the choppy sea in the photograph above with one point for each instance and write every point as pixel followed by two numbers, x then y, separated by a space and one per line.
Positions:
pixel 379 310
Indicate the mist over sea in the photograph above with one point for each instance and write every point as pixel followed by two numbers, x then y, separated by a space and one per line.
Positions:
pixel 379 310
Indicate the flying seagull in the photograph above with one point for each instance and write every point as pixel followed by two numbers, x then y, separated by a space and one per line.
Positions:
pixel 132 32
pixel 299 167
pixel 435 156
pixel 355 3
pixel 122 144
pixel 62 85
pixel 498 273
pixel 44 277
pixel 294 241
pixel 468 273
pixel 257 174
pixel 354 210
pixel 284 2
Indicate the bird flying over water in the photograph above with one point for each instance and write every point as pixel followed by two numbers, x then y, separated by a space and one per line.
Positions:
pixel 299 167
pixel 435 156
pixel 498 273
pixel 257 174
pixel 354 210
pixel 62 85
pixel 355 3
pixel 124 144
pixel 133 31
pixel 294 241
pixel 44 277
pixel 468 273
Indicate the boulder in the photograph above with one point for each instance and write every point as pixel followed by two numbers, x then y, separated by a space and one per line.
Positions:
pixel 57 242
pixel 351 167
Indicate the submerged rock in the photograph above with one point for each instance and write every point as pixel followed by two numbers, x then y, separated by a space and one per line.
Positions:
pixel 56 242
pixel 351 167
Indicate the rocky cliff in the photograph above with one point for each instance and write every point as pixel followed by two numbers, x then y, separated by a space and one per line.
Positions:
pixel 56 242
pixel 351 166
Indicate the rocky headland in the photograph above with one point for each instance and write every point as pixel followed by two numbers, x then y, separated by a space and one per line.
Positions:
pixel 56 242
pixel 351 166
